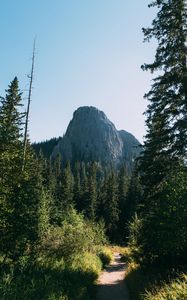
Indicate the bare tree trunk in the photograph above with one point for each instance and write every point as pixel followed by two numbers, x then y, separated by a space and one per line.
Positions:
pixel 28 106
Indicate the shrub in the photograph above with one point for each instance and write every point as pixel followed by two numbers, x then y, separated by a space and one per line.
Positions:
pixel 105 255
pixel 126 254
pixel 73 237
pixel 135 248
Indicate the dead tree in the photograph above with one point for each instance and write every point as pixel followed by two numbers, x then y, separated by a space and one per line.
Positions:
pixel 25 142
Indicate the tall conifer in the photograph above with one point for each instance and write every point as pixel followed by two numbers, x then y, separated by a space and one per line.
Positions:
pixel 166 139
pixel 164 155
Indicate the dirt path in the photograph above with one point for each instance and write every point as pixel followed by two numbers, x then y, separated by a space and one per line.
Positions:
pixel 111 285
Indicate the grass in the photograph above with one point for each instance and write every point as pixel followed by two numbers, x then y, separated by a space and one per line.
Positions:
pixel 175 290
pixel 106 255
pixel 51 279
pixel 153 282
pixel 88 262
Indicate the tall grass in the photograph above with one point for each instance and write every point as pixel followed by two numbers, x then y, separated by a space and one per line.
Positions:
pixel 105 254
pixel 175 290
pixel 40 281
pixel 153 282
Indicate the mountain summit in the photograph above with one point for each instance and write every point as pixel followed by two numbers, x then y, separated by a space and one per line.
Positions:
pixel 91 136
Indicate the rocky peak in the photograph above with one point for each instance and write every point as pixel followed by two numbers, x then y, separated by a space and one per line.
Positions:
pixel 92 136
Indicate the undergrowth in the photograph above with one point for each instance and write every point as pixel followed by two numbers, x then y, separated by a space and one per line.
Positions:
pixel 175 290
pixel 153 282
pixel 50 280
pixel 105 255
pixel 65 266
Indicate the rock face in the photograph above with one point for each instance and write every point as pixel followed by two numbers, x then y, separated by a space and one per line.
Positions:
pixel 90 136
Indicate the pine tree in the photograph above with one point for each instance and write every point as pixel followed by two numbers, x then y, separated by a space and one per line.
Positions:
pixel 92 192
pixel 11 121
pixel 84 188
pixel 18 190
pixel 110 203
pixel 166 139
pixel 66 197
pixel 10 154
pixel 123 187
pixel 77 187
pixel 45 181
pixel 164 229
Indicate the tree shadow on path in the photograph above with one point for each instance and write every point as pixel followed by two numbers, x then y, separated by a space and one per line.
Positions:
pixel 111 285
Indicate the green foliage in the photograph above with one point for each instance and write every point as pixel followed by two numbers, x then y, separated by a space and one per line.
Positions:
pixel 137 280
pixel 109 206
pixel 67 188
pixel 66 264
pixel 166 139
pixel 135 233
pixel 153 282
pixel 162 237
pixel 175 290
pixel 42 281
pixel 92 192
pixel 73 237
pixel 87 262
pixel 166 113
pixel 44 212
pixel 167 218
pixel 19 192
pixel 126 255
pixel 105 255
pixel 46 147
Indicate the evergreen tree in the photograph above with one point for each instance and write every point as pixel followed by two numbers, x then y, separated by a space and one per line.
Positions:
pixel 110 203
pixel 77 187
pixel 92 192
pixel 45 182
pixel 11 121
pixel 10 157
pixel 166 139
pixel 66 197
pixel 18 189
pixel 123 187
pixel 163 235
pixel 84 188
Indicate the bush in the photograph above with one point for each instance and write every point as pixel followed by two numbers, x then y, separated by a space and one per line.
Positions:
pixel 126 254
pixel 105 255
pixel 135 231
pixel 75 236
pixel 66 266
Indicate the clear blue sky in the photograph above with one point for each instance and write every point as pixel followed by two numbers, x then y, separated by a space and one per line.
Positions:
pixel 89 52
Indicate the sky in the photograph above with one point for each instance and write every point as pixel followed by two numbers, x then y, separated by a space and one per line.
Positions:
pixel 88 53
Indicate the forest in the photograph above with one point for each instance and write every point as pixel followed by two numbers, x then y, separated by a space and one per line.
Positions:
pixel 58 222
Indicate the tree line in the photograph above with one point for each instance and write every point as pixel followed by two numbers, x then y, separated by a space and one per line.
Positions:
pixel 99 193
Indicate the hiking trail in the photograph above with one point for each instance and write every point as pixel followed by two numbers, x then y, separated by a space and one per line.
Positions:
pixel 111 285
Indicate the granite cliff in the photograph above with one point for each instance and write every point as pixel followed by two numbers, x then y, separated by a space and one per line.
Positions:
pixel 91 136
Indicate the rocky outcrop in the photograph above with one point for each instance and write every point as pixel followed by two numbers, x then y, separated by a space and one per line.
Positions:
pixel 91 136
